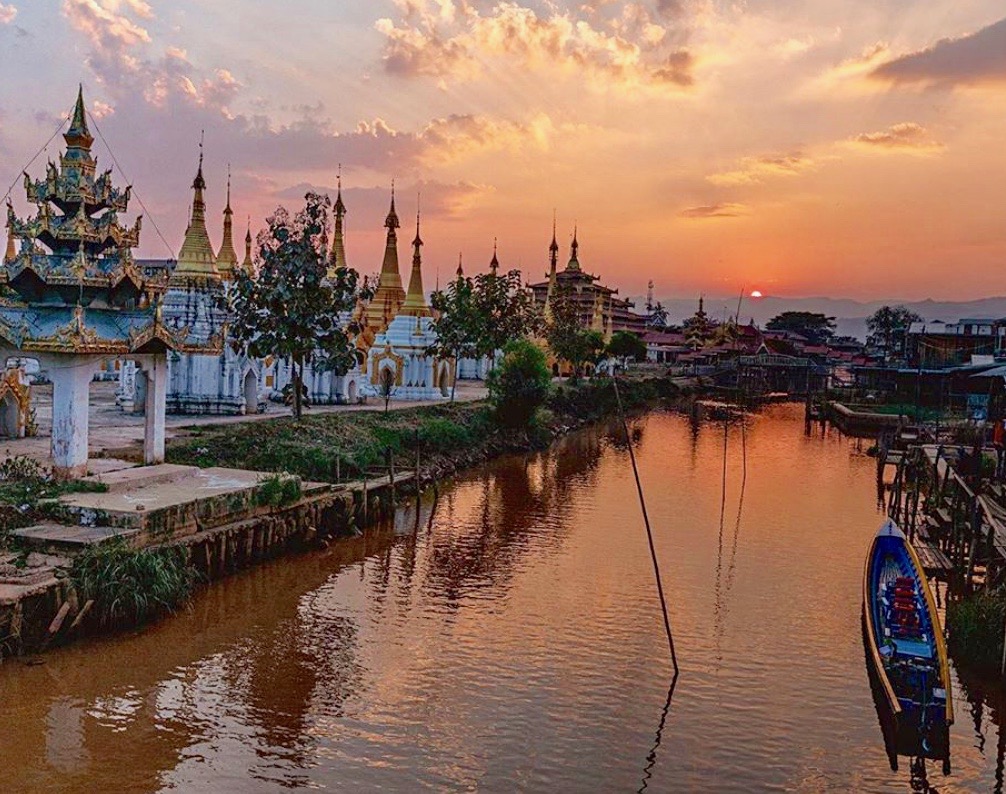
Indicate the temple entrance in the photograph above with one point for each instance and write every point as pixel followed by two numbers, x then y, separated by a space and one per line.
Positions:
pixel 251 392
pixel 351 393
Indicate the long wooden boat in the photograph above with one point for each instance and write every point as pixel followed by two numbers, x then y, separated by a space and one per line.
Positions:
pixel 906 651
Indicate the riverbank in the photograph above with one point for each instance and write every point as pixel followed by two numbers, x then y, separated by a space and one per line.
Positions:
pixel 434 441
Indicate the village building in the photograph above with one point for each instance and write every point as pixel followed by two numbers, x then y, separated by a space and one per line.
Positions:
pixel 76 297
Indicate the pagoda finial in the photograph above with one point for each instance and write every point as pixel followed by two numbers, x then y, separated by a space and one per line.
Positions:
pixel 391 222
pixel 554 246
pixel 415 299
pixel 227 258
pixel 461 270
pixel 227 208
pixel 574 247
pixel 494 263
pixel 78 136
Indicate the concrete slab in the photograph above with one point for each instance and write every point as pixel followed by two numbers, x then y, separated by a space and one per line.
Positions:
pixel 130 479
pixel 60 538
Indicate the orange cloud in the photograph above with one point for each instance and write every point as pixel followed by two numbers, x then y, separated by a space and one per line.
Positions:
pixel 443 40
pixel 754 170
pixel 905 137
pixel 718 210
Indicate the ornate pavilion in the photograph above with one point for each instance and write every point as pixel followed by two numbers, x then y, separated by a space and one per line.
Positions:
pixel 73 295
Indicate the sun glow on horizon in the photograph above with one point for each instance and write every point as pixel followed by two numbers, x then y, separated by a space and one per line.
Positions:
pixel 756 293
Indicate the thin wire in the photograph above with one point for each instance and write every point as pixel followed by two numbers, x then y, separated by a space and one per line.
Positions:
pixel 649 532
pixel 45 146
pixel 129 182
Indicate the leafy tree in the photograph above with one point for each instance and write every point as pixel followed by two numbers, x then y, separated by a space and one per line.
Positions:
pixel 520 384
pixel 817 328
pixel 567 338
pixel 456 323
pixel 888 327
pixel 657 316
pixel 504 310
pixel 625 345
pixel 386 385
pixel 291 310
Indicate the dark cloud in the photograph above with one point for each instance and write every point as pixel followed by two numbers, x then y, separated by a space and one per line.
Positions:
pixel 979 57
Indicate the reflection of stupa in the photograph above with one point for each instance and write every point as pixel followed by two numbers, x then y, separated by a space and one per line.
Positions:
pixel 78 296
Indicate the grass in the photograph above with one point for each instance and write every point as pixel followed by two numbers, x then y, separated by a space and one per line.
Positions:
pixel 334 447
pixel 976 625
pixel 278 490
pixel 130 586
pixel 28 494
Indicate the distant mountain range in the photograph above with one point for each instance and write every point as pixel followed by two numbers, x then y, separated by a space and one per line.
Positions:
pixel 850 315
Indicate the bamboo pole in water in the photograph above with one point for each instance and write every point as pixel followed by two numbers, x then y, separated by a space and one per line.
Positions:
pixel 649 532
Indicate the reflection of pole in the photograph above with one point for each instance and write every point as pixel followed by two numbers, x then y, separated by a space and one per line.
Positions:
pixel 649 532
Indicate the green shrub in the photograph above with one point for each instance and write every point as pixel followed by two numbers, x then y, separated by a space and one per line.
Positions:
pixel 278 490
pixel 520 384
pixel 976 625
pixel 443 435
pixel 129 585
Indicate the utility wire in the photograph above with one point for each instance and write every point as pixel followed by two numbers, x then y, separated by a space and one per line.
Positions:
pixel 115 161
pixel 649 532
pixel 45 146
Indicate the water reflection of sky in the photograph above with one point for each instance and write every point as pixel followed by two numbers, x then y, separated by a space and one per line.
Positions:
pixel 507 636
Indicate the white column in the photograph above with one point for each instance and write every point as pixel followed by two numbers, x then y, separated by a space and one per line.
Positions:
pixel 71 382
pixel 153 420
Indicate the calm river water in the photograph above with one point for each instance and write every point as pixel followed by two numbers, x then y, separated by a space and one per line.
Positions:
pixel 510 639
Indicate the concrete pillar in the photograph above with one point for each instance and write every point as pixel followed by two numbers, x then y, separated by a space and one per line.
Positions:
pixel 153 425
pixel 71 382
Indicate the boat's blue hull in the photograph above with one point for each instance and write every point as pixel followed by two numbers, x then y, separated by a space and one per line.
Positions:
pixel 905 651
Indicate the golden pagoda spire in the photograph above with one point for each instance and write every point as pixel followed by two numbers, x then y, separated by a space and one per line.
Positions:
pixel 574 247
pixel 461 270
pixel 494 263
pixel 247 264
pixel 196 259
pixel 337 260
pixel 553 262
pixel 11 251
pixel 415 302
pixel 389 295
pixel 227 258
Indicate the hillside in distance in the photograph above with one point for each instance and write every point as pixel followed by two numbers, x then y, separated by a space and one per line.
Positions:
pixel 850 315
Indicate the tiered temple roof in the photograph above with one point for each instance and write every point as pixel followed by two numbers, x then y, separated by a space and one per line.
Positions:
pixel 586 292
pixel 78 288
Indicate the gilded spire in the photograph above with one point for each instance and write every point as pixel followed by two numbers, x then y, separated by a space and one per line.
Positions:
pixel 389 293
pixel 79 136
pixel 415 300
pixel 461 270
pixel 196 259
pixel 574 247
pixel 337 260
pixel 553 262
pixel 247 263
pixel 494 263
pixel 227 258
pixel 11 252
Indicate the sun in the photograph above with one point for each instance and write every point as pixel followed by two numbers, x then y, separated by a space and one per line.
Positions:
pixel 756 293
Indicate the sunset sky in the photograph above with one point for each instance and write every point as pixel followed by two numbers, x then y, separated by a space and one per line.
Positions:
pixel 799 147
